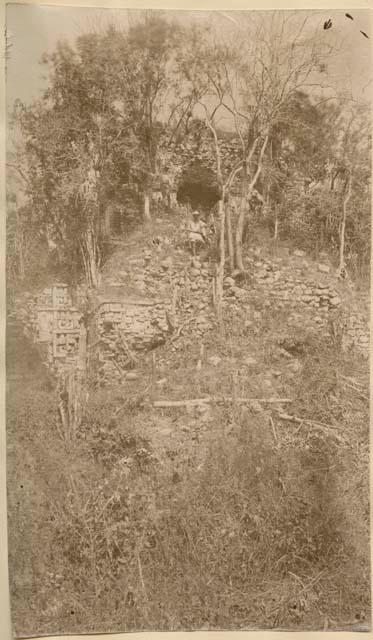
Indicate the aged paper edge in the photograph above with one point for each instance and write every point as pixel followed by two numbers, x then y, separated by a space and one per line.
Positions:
pixel 204 5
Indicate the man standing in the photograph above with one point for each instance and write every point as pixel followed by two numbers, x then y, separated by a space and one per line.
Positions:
pixel 168 190
pixel 197 232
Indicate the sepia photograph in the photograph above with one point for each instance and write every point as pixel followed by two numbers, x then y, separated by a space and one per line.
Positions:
pixel 188 241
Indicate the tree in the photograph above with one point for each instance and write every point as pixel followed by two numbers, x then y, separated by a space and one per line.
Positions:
pixel 351 161
pixel 120 105
pixel 297 163
pixel 200 74
pixel 79 147
pixel 153 45
pixel 275 59
pixel 252 77
pixel 323 191
pixel 96 131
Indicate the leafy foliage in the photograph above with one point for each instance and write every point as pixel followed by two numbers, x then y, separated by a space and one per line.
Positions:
pixel 90 141
pixel 122 105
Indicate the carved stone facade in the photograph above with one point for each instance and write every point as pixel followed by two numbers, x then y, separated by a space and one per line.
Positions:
pixel 117 328
pixel 51 320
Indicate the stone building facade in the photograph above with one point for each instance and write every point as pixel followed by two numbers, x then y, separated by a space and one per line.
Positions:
pixel 107 340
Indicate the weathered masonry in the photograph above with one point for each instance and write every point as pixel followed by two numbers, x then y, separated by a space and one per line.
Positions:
pixel 105 332
pixel 51 320
pixel 122 327
pixel 107 339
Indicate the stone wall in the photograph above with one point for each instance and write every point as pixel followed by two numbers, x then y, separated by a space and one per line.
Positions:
pixel 198 146
pixel 311 295
pixel 123 324
pixel 123 328
pixel 315 295
pixel 119 327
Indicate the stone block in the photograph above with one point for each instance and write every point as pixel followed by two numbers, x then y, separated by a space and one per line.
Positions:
pixel 132 376
pixel 323 268
pixel 166 264
pixel 229 282
pixel 194 272
pixel 262 274
pixel 335 302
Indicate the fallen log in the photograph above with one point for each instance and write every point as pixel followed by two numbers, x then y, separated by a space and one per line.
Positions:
pixel 164 404
pixel 320 426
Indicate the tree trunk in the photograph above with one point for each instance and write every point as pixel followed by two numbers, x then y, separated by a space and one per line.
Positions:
pixel 241 220
pixel 275 234
pixel 228 217
pixel 218 285
pixel 239 237
pixel 108 216
pixel 147 214
pixel 246 196
pixel 91 259
pixel 220 266
pixel 343 224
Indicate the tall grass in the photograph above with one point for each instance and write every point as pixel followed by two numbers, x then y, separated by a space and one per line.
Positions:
pixel 256 528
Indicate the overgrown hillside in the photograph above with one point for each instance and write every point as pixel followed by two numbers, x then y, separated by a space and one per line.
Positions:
pixel 188 252
pixel 222 515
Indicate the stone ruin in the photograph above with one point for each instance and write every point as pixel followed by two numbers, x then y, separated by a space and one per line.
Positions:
pixel 109 337
pixel 122 323
pixel 316 300
pixel 50 320
pixel 121 329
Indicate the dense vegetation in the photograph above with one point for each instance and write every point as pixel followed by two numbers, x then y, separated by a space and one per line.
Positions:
pixel 180 521
pixel 146 521
pixel 122 107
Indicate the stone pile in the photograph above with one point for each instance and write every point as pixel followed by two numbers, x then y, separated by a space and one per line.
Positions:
pixel 181 282
pixel 194 298
pixel 286 287
pixel 356 332
pixel 315 302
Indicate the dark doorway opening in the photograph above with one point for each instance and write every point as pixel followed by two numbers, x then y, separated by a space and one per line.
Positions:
pixel 198 187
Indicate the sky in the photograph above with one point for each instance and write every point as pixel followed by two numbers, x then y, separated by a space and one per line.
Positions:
pixel 34 30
